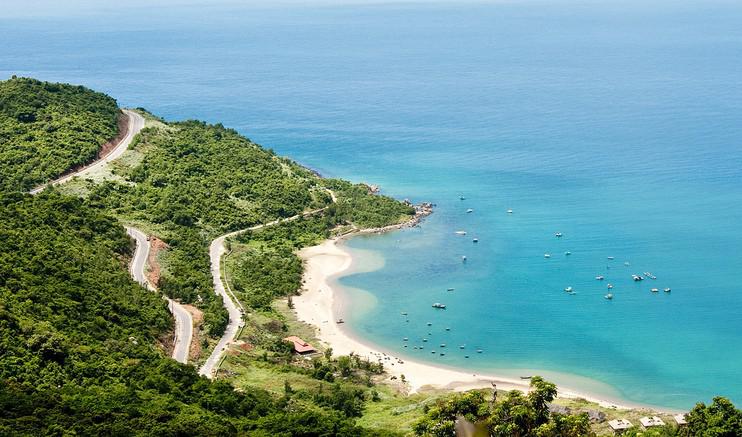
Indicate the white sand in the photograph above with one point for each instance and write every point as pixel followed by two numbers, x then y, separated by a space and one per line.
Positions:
pixel 316 307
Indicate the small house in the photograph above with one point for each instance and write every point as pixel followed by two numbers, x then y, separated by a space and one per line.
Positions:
pixel 301 346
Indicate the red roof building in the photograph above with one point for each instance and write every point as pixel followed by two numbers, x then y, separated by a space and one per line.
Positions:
pixel 300 346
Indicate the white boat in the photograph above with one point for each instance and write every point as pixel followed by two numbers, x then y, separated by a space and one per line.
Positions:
pixel 567 253
pixel 609 296
pixel 547 255
pixel 460 232
pixel 463 258
pixel 476 240
pixel 611 258
pixel 568 289
pixel 462 198
pixel 668 289
pixel 558 235
pixel 599 278
pixel 510 211
pixel 469 211
pixel 654 290
pixel 610 286
pixel 439 306
pixel 450 288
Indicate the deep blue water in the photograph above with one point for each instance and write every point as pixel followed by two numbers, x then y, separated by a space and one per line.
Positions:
pixel 619 125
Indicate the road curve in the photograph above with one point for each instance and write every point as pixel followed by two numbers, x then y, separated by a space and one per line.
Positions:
pixel 233 306
pixel 136 124
pixel 183 319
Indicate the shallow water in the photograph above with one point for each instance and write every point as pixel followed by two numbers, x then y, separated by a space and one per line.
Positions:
pixel 618 125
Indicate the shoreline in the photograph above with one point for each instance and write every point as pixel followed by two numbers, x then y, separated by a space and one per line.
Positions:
pixel 316 306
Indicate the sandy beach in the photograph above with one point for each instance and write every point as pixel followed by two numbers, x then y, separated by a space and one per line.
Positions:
pixel 315 306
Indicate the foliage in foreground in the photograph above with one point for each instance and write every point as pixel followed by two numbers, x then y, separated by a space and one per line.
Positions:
pixel 48 128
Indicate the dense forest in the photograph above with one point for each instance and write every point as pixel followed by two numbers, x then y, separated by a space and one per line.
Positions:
pixel 77 342
pixel 48 128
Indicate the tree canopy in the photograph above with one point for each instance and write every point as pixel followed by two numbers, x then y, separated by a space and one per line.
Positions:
pixel 47 128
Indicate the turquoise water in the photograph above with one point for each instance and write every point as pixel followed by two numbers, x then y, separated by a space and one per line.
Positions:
pixel 619 125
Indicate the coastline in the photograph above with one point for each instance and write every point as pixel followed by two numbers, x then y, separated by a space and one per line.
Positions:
pixel 316 307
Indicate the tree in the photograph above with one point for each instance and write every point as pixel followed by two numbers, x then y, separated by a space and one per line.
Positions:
pixel 720 419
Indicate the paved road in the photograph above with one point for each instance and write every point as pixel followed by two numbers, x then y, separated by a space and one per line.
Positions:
pixel 136 123
pixel 183 319
pixel 231 303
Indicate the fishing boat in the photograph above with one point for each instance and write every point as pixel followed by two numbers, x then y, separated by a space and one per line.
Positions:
pixel 568 289
pixel 668 289
pixel 609 296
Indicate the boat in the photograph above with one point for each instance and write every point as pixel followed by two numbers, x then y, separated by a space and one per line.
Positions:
pixel 609 296
pixel 466 356
pixel 450 288
pixel 547 255
pixel 405 339
pixel 668 289
pixel 460 232
pixel 469 211
pixel 510 211
pixel 442 354
pixel 340 321
pixel 439 306
pixel 610 286
pixel 637 278
pixel 448 329
pixel 654 290
pixel 425 340
pixel 567 253
pixel 599 278
pixel 463 258
pixel 404 313
pixel 462 198
pixel 611 258
pixel 461 346
pixel 479 351
pixel 443 345
pixel 626 263
pixel 526 377
pixel 568 289
pixel 475 240
pixel 558 235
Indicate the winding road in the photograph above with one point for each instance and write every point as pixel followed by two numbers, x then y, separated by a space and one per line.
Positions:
pixel 183 319
pixel 136 123
pixel 231 303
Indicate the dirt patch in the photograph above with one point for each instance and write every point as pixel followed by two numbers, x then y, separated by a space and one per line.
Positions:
pixel 153 273
pixel 198 320
pixel 123 125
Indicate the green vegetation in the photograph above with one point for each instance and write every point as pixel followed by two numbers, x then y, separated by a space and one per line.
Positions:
pixel 190 182
pixel 48 128
pixel 77 338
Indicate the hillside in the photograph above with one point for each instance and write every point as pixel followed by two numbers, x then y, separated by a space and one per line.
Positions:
pixel 48 128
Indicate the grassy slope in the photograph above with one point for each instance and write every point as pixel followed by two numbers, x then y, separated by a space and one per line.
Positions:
pixel 48 128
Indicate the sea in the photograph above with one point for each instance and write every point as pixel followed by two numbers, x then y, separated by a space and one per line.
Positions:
pixel 617 124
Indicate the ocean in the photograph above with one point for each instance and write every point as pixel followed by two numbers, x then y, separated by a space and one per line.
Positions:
pixel 616 124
